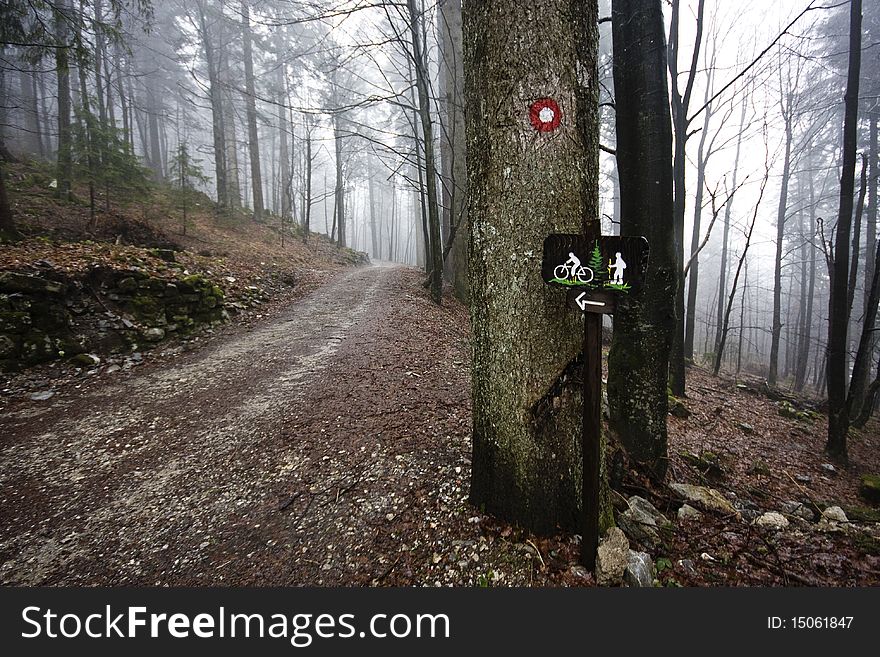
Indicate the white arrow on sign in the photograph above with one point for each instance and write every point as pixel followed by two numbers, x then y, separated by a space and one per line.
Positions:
pixel 583 303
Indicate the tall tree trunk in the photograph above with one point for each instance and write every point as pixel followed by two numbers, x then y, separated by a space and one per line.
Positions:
pixel 643 325
pixel 424 109
pixel 776 329
pixel 725 321
pixel 62 74
pixel 374 233
pixel 339 191
pixel 454 147
pixel 680 103
pixel 800 376
pixel 283 129
pixel 417 146
pixel 838 319
pixel 523 185
pixel 99 63
pixel 871 219
pixel 855 253
pixel 693 275
pixel 725 240
pixel 862 361
pixel 8 233
pixel 307 202
pixel 154 108
pixel 233 174
pixel 120 90
pixel 30 113
pixel 251 102
pixel 216 97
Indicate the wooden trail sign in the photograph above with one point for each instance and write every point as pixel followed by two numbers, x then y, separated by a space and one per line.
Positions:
pixel 603 268
pixel 596 272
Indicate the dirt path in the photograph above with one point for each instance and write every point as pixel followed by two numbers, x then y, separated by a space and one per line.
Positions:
pixel 292 452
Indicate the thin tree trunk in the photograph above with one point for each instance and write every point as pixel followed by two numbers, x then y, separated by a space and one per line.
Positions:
pixel 725 241
pixel 693 275
pixel 680 104
pixel 725 325
pixel 340 195
pixel 216 98
pixel 8 233
pixel 62 74
pixel 776 330
pixel 856 239
pixel 251 102
pixel 424 109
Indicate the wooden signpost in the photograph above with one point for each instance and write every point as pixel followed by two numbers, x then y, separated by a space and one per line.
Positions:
pixel 596 272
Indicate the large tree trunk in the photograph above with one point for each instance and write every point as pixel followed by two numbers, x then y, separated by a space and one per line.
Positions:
pixel 523 186
pixel 251 102
pixel 838 318
pixel 424 109
pixel 453 148
pixel 643 325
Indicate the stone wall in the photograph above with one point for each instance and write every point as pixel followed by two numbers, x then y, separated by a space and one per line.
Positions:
pixel 51 315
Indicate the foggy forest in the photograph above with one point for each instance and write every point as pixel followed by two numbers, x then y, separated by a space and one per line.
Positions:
pixel 272 308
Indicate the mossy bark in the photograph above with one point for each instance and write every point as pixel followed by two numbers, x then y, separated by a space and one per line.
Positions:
pixel 524 185
pixel 643 324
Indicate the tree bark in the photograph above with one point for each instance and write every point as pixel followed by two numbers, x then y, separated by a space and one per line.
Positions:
pixel 339 190
pixel 725 240
pixel 453 147
pixel 838 318
pixel 251 103
pixel 216 98
pixel 856 240
pixel 776 328
pixel 680 104
pixel 424 110
pixel 62 74
pixel 693 275
pixel 524 185
pixel 643 325
pixel 8 233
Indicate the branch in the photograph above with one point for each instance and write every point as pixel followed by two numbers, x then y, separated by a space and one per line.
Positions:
pixel 727 86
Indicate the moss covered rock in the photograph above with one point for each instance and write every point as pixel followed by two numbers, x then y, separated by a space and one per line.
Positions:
pixel 11 281
pixel 870 488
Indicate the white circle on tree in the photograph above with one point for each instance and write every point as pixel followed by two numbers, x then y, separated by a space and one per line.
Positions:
pixel 546 115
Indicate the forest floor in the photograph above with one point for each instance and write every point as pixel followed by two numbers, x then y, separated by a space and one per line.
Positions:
pixel 327 442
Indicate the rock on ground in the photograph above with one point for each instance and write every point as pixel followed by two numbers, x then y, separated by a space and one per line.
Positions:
pixel 612 558
pixel 772 520
pixel 708 498
pixel 639 570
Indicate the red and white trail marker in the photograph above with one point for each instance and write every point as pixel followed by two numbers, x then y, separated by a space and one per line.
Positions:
pixel 545 115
